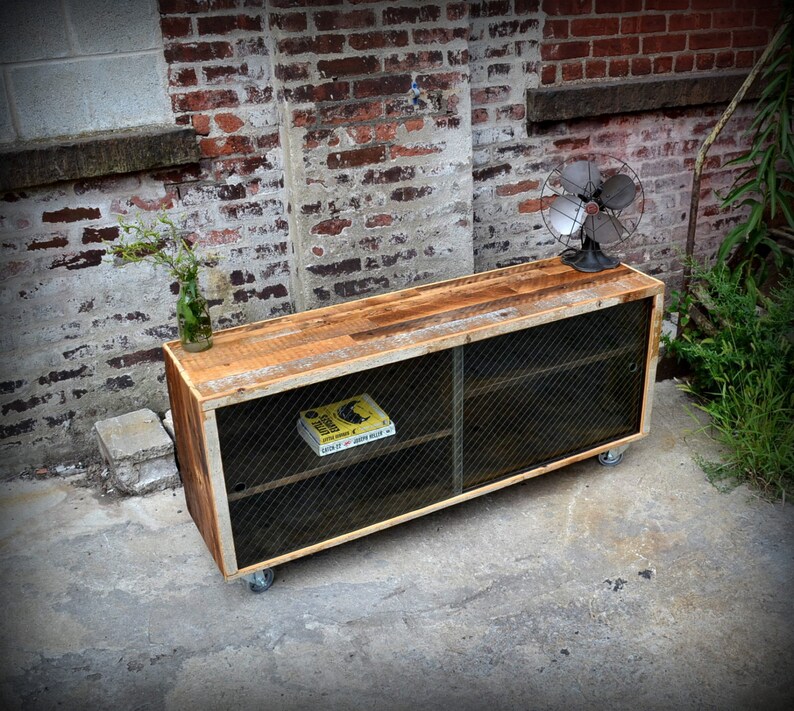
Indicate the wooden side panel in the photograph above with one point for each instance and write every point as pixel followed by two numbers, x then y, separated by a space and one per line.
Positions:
pixel 192 456
pixel 218 491
pixel 657 314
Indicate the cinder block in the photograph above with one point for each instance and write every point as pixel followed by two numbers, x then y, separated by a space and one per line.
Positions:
pixel 113 92
pixel 32 30
pixel 138 451
pixel 106 26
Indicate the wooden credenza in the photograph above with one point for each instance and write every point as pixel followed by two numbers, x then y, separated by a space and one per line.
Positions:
pixel 490 379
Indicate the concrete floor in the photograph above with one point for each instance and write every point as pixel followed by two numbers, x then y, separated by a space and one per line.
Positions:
pixel 635 587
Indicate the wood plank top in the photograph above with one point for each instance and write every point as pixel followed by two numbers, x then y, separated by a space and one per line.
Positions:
pixel 291 351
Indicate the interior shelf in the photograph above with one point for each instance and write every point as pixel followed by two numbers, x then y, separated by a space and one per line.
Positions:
pixel 265 451
pixel 333 502
pixel 340 460
pixel 483 385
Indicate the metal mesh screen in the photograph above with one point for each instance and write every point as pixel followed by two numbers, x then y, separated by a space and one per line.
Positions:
pixel 464 417
pixel 541 394
pixel 283 496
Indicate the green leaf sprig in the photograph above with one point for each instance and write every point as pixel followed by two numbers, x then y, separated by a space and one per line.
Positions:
pixel 157 242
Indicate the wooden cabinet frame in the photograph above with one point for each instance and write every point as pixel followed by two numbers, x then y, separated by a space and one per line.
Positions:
pixel 261 359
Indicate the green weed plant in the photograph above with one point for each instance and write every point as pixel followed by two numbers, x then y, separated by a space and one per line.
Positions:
pixel 743 377
pixel 765 184
pixel 159 242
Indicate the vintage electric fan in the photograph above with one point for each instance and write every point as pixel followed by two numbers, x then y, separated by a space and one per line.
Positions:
pixel 588 202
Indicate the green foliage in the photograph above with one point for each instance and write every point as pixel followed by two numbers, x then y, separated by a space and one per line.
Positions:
pixel 680 304
pixel 157 242
pixel 739 342
pixel 743 377
pixel 193 318
pixel 766 183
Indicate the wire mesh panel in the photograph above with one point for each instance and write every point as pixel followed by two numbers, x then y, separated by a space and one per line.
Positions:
pixel 540 394
pixel 464 417
pixel 284 497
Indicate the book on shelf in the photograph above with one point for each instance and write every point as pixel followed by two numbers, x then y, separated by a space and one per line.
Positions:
pixel 344 424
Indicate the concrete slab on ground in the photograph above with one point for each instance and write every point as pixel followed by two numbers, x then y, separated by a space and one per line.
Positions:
pixel 138 451
pixel 639 586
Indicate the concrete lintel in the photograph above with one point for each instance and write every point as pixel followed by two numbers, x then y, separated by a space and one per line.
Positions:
pixel 560 103
pixel 25 165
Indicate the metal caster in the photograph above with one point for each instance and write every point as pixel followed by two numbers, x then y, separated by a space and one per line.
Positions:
pixel 611 458
pixel 261 580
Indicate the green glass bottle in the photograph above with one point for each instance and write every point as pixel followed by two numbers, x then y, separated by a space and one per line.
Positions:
pixel 193 317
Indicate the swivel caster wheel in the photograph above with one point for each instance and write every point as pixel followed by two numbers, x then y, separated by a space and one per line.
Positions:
pixel 610 458
pixel 261 580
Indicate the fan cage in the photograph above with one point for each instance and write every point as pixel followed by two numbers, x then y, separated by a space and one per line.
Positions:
pixel 608 166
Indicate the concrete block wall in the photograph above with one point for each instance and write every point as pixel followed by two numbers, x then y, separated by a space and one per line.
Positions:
pixel 7 130
pixel 320 180
pixel 77 66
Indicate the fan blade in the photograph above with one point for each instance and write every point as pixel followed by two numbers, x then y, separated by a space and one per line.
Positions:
pixel 581 178
pixel 603 228
pixel 618 192
pixel 566 214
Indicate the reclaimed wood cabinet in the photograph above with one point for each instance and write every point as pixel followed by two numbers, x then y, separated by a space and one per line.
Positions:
pixel 490 379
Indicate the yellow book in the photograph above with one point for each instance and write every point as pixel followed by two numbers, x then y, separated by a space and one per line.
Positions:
pixel 344 419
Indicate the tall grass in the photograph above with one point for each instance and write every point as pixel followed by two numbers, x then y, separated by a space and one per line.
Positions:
pixel 743 377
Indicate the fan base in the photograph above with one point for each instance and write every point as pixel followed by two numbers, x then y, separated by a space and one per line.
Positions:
pixel 590 259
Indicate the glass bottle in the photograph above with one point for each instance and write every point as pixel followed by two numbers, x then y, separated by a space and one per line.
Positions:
pixel 193 317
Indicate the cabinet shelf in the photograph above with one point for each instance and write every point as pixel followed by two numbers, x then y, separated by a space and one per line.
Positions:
pixel 484 385
pixel 340 460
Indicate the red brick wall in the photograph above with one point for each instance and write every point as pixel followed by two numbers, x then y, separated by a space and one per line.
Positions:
pixel 597 39
pixel 221 83
pixel 508 167
pixel 380 187
pixel 522 44
pixel 320 180
pixel 83 337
